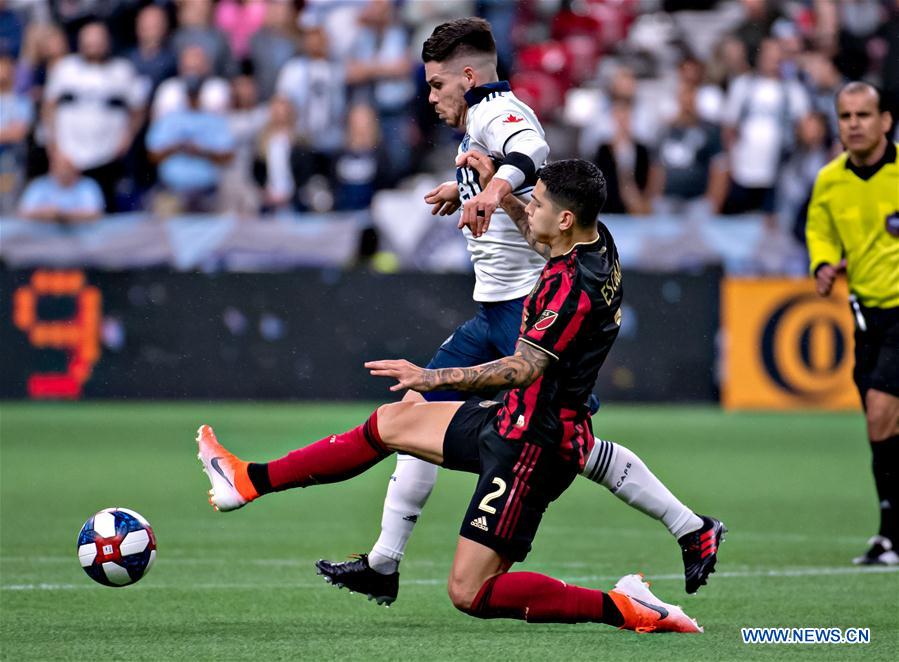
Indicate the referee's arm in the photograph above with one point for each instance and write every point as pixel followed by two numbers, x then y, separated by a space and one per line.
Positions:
pixel 824 247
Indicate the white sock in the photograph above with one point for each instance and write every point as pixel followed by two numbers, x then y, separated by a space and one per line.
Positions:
pixel 408 490
pixel 627 477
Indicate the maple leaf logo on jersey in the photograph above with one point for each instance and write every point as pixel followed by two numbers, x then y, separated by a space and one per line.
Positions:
pixel 513 119
pixel 546 319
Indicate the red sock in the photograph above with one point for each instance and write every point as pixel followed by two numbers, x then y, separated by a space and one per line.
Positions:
pixel 537 598
pixel 330 460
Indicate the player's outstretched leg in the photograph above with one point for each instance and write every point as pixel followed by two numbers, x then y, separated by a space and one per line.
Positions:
pixel 620 470
pixel 234 483
pixel 376 574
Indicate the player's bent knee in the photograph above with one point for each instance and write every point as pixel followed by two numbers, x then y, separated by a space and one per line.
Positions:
pixel 461 594
pixel 390 422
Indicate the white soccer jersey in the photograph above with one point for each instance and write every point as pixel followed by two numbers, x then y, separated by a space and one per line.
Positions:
pixel 94 101
pixel 505 266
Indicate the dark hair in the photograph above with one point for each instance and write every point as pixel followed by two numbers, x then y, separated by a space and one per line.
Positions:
pixel 857 86
pixel 576 185
pixel 462 36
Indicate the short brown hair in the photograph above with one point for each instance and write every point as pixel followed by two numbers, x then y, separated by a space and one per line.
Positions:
pixel 462 36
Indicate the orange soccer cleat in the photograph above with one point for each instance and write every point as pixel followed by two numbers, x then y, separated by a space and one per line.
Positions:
pixel 644 612
pixel 231 486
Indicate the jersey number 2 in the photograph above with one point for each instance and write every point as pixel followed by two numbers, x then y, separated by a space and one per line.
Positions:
pixel 495 494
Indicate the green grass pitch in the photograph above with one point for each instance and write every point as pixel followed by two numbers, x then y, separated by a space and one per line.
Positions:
pixel 795 490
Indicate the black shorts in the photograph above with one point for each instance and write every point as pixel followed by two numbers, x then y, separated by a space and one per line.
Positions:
pixel 877 351
pixel 517 481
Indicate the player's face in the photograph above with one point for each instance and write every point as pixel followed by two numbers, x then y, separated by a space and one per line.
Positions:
pixel 448 83
pixel 862 125
pixel 543 217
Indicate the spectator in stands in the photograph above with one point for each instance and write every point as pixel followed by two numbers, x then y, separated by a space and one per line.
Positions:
pixel 274 44
pixel 822 81
pixel 759 120
pixel 359 172
pixel 626 164
pixel 190 146
pixel 63 195
pixel 728 62
pixel 195 28
pixel 152 58
pixel 215 93
pixel 759 16
pixel 246 118
pixel 380 71
pixel 791 43
pixel 281 165
pixel 45 45
pixel 501 14
pixel 72 15
pixel 709 99
pixel 340 22
pixel 359 167
pixel 93 107
pixel 693 170
pixel 859 20
pixel 16 119
pixel 315 85
pixel 239 20
pixel 643 114
pixel 812 152
pixel 889 73
pixel 11 30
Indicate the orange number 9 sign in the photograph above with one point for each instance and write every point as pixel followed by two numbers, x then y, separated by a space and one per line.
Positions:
pixel 78 336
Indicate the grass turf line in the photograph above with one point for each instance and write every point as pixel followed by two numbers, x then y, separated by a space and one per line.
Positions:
pixel 794 489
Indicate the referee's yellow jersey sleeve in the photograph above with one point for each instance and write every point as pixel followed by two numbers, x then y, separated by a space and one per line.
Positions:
pixel 821 237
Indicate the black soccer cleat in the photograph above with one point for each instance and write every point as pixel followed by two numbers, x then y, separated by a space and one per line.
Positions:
pixel 357 576
pixel 700 552
pixel 880 552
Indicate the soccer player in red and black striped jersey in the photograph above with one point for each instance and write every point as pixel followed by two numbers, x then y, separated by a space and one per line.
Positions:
pixel 526 449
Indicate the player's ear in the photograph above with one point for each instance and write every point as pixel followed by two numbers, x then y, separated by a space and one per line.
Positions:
pixel 566 220
pixel 469 74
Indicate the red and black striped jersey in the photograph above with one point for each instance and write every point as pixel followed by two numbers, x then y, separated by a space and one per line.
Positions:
pixel 573 314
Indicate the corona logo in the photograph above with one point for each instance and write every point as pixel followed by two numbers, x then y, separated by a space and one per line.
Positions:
pixel 803 347
pixel 79 336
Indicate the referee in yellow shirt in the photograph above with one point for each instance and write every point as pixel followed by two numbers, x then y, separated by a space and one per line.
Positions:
pixel 853 224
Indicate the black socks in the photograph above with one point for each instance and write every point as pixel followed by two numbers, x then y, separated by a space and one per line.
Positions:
pixel 885 465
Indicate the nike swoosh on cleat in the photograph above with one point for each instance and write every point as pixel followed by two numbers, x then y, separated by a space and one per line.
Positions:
pixel 215 465
pixel 661 611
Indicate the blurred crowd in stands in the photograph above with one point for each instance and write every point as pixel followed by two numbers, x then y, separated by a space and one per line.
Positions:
pixel 255 107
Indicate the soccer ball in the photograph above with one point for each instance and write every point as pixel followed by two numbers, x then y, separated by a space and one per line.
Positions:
pixel 116 547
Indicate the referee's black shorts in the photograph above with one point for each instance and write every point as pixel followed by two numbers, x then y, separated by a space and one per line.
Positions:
pixel 517 481
pixel 877 351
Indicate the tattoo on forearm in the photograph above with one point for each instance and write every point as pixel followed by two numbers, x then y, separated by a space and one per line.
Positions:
pixel 521 369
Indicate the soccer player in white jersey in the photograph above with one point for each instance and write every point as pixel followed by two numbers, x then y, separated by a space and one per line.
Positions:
pixel 460 69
